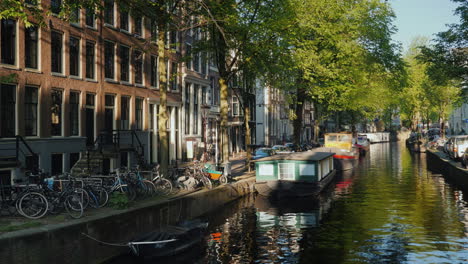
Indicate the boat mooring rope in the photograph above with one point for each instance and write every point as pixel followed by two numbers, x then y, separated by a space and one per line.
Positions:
pixel 128 243
pixel 106 243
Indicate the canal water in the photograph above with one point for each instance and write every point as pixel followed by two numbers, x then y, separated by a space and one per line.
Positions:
pixel 391 209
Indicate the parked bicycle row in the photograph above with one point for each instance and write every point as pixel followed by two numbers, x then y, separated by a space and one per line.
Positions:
pixel 72 195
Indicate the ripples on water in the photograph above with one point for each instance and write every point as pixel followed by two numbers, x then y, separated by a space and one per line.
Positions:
pixel 391 209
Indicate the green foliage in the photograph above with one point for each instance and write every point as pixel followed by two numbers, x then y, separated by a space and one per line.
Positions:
pixel 18 226
pixel 119 201
pixel 10 78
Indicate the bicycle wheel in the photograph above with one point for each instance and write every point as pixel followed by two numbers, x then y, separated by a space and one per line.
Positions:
pixel 130 192
pixel 223 179
pixel 33 205
pixel 84 196
pixel 102 195
pixel 93 199
pixel 206 182
pixel 73 206
pixel 163 186
pixel 150 187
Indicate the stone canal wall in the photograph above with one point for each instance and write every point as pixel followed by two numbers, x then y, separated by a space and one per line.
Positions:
pixel 438 162
pixel 65 242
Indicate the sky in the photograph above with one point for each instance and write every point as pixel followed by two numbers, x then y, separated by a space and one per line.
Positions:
pixel 421 18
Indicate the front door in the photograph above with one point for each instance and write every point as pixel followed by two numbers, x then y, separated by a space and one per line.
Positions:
pixel 89 126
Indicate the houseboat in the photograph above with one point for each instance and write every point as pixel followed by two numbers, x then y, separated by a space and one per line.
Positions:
pixel 294 175
pixel 378 137
pixel 362 144
pixel 346 155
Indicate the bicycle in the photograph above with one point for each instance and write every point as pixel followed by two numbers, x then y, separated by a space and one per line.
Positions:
pixel 34 206
pixel 161 184
pixel 121 186
pixel 58 201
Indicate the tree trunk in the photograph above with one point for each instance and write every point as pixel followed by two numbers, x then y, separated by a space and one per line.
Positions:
pixel 297 123
pixel 247 129
pixel 224 120
pixel 162 118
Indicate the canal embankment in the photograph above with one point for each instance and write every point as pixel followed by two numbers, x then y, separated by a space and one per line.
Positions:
pixel 70 242
pixel 439 162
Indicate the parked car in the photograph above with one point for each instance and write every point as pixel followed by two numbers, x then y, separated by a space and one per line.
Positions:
pixel 448 145
pixel 294 147
pixel 458 146
pixel 262 153
pixel 281 149
pixel 464 159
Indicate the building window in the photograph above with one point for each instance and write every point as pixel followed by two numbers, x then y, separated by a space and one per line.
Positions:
pixel 138 66
pixel 154 71
pixel 109 60
pixel 151 116
pixel 187 108
pixel 55 6
pixel 125 113
pixel 90 61
pixel 196 62
pixel 138 26
pixel 75 16
pixel 74 56
pixel 215 92
pixel 203 96
pixel 7 110
pixel 8 41
pixel 90 18
pixel 74 113
pixel 154 31
pixel 139 113
pixel 235 106
pixel 188 54
pixel 109 12
pixel 195 109
pixel 204 63
pixel 124 63
pixel 124 20
pixel 31 38
pixel 30 110
pixel 173 79
pixel 56 112
pixel 173 39
pixel 56 56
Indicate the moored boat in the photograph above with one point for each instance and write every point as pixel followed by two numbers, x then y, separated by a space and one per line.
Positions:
pixel 294 175
pixel 362 144
pixel 169 241
pixel 346 155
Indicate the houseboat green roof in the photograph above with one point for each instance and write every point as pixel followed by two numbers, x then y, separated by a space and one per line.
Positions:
pixel 304 156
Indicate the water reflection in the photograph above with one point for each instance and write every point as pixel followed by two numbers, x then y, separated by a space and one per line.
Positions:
pixel 391 209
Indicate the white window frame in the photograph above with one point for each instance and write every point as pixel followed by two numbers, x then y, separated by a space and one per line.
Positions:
pixel 286 171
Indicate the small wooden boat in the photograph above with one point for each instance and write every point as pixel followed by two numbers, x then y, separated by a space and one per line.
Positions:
pixel 168 241
pixel 294 175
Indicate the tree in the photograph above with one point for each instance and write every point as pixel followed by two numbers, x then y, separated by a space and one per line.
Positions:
pixel 343 54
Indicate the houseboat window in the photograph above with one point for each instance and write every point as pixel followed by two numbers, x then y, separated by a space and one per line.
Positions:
pixel 306 169
pixel 265 169
pixel 286 171
pixel 344 138
pixel 325 169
